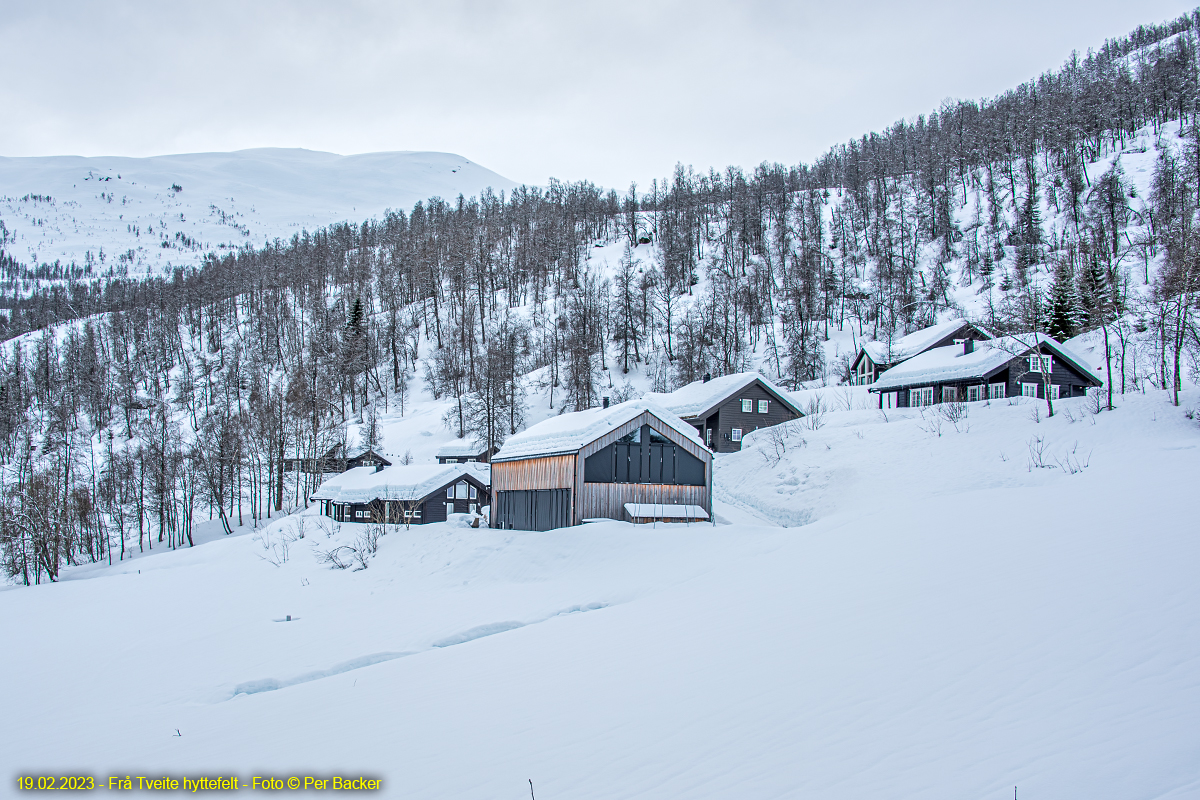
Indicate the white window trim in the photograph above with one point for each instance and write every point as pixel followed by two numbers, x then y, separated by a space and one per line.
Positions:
pixel 763 405
pixel 735 435
pixel 1054 391
pixel 747 406
pixel 921 394
pixel 1027 388
pixel 997 391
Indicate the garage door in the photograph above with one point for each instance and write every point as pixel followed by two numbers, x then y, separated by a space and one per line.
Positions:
pixel 533 509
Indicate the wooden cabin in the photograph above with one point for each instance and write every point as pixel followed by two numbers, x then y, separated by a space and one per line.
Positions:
pixel 723 410
pixel 416 494
pixel 336 460
pixel 590 464
pixel 1011 366
pixel 874 358
pixel 465 452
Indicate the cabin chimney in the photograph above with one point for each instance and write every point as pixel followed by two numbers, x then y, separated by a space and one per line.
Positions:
pixel 604 400
pixel 968 346
pixel 707 377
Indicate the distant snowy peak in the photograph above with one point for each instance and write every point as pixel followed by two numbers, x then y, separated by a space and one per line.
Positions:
pixel 152 214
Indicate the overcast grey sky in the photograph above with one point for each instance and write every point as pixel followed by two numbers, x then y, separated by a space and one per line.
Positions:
pixel 609 91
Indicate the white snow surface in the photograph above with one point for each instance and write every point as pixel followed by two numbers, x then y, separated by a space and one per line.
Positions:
pixel 126 206
pixel 953 621
pixel 950 363
pixel 912 344
pixel 397 482
pixel 460 449
pixel 699 396
pixel 660 510
pixel 567 433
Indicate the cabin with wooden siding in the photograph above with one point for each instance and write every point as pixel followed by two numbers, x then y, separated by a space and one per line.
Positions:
pixel 411 494
pixel 590 464
pixel 460 452
pixel 1011 366
pixel 874 358
pixel 724 410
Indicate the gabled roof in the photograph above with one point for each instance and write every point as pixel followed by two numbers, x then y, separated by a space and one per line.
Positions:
pixel 460 448
pixel 914 343
pixel 950 363
pixel 699 398
pixel 568 433
pixel 403 482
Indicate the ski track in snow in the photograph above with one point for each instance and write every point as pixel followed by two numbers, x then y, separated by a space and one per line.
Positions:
pixel 470 635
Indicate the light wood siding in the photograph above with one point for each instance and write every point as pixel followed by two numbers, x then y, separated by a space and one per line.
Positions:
pixel 609 499
pixel 548 472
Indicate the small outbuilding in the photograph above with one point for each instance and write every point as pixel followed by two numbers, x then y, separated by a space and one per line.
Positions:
pixel 591 464
pixel 1028 365
pixel 723 410
pixel 415 493
pixel 874 358
pixel 465 452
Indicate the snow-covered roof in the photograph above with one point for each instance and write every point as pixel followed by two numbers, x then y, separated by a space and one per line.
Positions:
pixel 914 343
pixel 567 433
pixel 950 363
pixel 401 482
pixel 458 449
pixel 699 397
pixel 660 511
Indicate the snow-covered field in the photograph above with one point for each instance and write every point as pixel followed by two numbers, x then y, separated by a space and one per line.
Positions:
pixel 953 621
pixel 70 208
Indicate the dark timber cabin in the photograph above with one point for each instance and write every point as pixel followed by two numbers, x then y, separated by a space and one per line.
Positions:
pixel 875 357
pixel 465 452
pixel 723 410
pixel 415 494
pixel 335 460
pixel 595 463
pixel 1011 366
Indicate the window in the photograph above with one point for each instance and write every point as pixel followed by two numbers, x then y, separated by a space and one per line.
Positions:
pixel 996 391
pixel 1054 391
pixel 736 433
pixel 472 492
pixel 1042 364
pixel 747 406
pixel 974 393
pixel 920 397
pixel 473 508
pixel 949 394
pixel 450 492
pixel 360 514
pixel 890 400
pixel 410 514
pixel 449 509
pixel 708 436
pixel 1029 389
pixel 762 406
pixel 461 490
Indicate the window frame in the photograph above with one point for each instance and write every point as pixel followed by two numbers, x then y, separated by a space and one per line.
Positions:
pixel 1027 387
pixel 747 406
pixel 735 434
pixel 764 406
pixel 997 391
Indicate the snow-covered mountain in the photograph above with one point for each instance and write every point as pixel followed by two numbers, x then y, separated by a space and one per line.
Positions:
pixel 139 215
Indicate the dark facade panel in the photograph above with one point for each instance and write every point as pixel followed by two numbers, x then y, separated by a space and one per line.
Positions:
pixel 623 462
pixel 532 509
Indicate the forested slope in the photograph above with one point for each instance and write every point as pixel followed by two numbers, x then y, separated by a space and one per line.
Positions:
pixel 142 402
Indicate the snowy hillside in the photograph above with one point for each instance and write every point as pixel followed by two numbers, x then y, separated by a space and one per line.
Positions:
pixel 956 620
pixel 134 215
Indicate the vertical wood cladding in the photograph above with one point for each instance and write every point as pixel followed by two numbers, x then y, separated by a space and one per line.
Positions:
pixel 546 472
pixel 609 499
